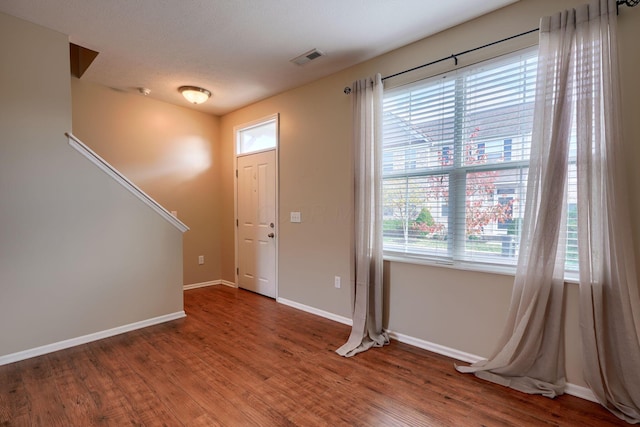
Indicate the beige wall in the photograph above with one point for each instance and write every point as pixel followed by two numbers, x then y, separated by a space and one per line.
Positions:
pixel 458 309
pixel 315 180
pixel 78 253
pixel 170 152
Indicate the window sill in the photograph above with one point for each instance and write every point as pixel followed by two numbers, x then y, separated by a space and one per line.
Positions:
pixel 570 278
pixel 456 265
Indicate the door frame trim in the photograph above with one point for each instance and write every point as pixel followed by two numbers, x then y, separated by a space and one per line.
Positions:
pixel 236 130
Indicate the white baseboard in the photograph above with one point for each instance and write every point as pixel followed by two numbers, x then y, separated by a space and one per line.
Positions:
pixel 210 283
pixel 435 348
pixel 571 389
pixel 317 312
pixel 201 285
pixel 581 392
pixel 61 345
pixel 229 284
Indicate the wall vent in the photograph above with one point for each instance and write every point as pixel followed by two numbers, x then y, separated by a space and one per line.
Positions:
pixel 307 56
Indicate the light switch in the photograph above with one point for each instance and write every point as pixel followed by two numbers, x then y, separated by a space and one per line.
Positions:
pixel 295 217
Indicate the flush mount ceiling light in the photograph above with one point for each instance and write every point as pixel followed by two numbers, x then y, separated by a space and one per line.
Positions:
pixel 194 94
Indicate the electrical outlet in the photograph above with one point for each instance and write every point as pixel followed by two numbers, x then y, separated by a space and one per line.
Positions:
pixel 336 282
pixel 201 259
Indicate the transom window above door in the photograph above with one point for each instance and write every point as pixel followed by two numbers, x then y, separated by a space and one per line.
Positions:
pixel 257 136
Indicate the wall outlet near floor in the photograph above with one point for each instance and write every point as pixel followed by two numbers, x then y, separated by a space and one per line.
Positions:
pixel 336 282
pixel 201 259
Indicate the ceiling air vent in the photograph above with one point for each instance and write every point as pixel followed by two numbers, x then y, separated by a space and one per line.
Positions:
pixel 307 56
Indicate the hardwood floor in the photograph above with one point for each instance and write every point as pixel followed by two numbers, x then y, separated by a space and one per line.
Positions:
pixel 240 359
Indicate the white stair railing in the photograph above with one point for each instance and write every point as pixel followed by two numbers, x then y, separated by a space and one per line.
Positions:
pixel 122 180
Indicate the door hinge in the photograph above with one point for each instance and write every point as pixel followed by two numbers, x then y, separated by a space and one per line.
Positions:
pixel 237 223
pixel 237 271
pixel 236 173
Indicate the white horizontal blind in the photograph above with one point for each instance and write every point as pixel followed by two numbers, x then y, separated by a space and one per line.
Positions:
pixel 455 162
pixel 571 255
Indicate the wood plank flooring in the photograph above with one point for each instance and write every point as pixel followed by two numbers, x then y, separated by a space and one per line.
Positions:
pixel 240 359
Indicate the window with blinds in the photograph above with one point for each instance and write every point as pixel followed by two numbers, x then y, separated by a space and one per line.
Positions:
pixel 455 161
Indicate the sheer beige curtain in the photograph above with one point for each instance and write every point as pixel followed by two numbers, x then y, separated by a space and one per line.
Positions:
pixel 577 84
pixel 367 144
pixel 529 355
pixel 609 301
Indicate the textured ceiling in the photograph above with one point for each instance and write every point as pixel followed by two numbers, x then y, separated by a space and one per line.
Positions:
pixel 238 49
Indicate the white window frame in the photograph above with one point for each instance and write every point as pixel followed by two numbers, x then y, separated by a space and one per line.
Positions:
pixel 238 130
pixel 454 260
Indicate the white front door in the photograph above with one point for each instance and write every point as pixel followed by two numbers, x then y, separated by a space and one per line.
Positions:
pixel 257 222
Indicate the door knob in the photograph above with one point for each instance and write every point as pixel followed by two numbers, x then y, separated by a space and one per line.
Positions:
pixel 271 235
pixel 272 225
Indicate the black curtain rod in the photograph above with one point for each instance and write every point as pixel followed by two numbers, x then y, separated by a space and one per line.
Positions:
pixel 455 55
pixel 347 90
pixel 630 3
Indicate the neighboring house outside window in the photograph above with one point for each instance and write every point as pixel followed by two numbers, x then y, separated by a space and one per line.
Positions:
pixel 455 162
